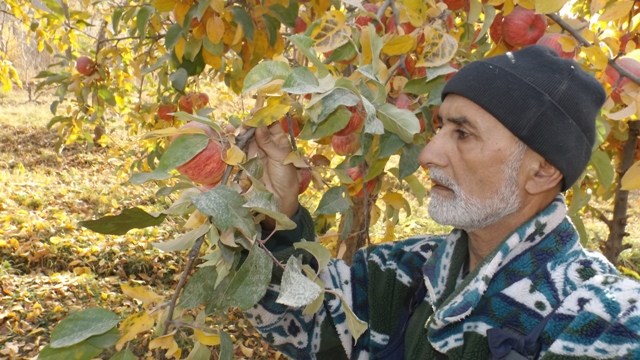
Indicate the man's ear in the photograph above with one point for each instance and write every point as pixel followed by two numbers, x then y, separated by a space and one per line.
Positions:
pixel 542 177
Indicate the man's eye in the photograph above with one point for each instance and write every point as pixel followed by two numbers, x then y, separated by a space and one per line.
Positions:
pixel 462 134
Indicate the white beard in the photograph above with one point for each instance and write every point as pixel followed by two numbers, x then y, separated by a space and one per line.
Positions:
pixel 469 213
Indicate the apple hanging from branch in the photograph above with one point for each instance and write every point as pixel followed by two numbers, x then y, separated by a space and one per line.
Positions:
pixel 207 167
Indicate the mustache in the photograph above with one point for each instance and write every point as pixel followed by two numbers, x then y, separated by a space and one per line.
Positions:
pixel 438 175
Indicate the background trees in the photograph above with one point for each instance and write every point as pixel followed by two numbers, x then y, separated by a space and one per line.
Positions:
pixel 356 85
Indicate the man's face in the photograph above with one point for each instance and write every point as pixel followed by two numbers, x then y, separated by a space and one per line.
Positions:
pixel 474 164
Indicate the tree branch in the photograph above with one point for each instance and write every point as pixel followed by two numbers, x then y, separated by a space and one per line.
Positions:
pixel 193 254
pixel 584 42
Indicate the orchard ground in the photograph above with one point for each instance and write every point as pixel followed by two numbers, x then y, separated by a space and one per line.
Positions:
pixel 49 266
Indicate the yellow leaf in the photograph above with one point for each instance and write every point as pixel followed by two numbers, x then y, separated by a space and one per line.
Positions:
pixel 141 293
pixel 365 42
pixel 206 338
pixel 132 326
pixel 439 48
pixel 416 11
pixel 276 108
pixel 196 220
pixel 396 200
pixel 217 5
pixel 332 32
pixel 389 231
pixel 624 113
pixel 631 179
pixel 181 10
pixel 296 159
pixel 597 5
pixel 596 56
pixel 212 60
pixel 616 10
pixel 179 48
pixel 234 155
pixel 528 4
pixel 164 5
pixel 567 42
pixel 237 37
pixel 171 131
pixel 215 29
pixel 549 6
pixel 166 342
pixel 200 31
pixel 399 45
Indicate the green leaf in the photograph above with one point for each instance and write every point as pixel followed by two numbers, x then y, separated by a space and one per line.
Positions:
pixel 183 242
pixel 115 19
pixel 272 25
pixel 264 73
pixel 142 18
pixel 242 18
pixel 199 288
pixel 355 325
pixel 604 168
pixel 333 201
pixel 347 224
pixel 105 340
pixel 226 346
pixel 417 189
pixel 345 52
pixel 304 45
pixel 301 81
pixel 389 145
pixel 376 169
pixel 199 351
pixel 250 282
pixel 170 39
pixel 157 65
pixel 329 103
pixel 421 86
pixel 321 253
pixel 263 202
pixel 401 122
pixel 124 354
pixel 81 351
pixel 225 206
pixel 332 124
pixel 133 218
pixel 286 15
pixel 409 160
pixel 106 94
pixel 81 325
pixel 140 178
pixel 296 290
pixel 181 150
pixel 179 79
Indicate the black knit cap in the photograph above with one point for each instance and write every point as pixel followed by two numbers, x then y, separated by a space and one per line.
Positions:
pixel 548 102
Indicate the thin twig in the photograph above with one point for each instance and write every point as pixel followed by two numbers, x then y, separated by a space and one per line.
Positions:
pixel 584 42
pixel 193 254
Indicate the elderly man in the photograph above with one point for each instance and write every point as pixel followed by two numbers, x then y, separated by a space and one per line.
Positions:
pixel 511 281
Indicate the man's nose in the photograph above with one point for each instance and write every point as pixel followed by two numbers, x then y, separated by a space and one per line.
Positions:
pixel 432 154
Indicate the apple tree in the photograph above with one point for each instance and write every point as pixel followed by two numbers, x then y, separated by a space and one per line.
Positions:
pixel 355 84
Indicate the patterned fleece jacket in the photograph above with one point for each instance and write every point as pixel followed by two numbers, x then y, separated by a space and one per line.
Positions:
pixel 540 294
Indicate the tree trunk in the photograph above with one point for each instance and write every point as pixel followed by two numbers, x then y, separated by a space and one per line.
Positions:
pixel 358 221
pixel 617 226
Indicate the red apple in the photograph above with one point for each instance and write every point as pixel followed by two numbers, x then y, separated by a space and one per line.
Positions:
pixel 356 121
pixel 612 76
pixel 523 27
pixel 345 145
pixel 85 65
pixel 364 19
pixel 403 101
pixel 304 179
pixel 207 167
pixel 355 173
pixel 495 30
pixel 165 111
pixel 454 5
pixel 199 100
pixel 551 40
pixel 295 125
pixel 185 103
pixel 299 26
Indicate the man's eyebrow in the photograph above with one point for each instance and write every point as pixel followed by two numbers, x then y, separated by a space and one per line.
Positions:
pixel 459 121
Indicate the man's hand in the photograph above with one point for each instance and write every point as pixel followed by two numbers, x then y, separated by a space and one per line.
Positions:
pixel 272 146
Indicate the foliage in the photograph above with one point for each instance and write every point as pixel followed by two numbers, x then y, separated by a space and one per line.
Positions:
pixel 323 63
